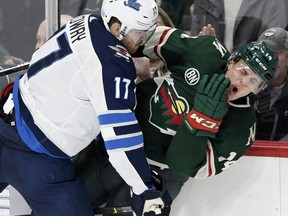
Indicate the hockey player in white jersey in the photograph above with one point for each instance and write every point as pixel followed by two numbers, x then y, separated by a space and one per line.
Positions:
pixel 81 83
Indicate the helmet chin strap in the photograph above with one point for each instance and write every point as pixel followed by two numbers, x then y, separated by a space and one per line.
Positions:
pixel 123 31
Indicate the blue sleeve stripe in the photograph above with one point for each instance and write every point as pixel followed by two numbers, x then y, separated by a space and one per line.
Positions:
pixel 112 118
pixel 127 129
pixel 124 142
pixel 137 158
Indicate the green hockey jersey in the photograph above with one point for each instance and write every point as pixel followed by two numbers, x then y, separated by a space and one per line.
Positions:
pixel 163 102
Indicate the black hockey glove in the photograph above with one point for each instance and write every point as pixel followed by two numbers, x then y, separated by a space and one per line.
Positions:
pixel 7 112
pixel 153 202
pixel 210 106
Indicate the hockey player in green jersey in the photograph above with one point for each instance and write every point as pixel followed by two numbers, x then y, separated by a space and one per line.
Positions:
pixel 188 127
pixel 197 119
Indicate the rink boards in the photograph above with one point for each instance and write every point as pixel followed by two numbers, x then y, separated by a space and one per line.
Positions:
pixel 257 185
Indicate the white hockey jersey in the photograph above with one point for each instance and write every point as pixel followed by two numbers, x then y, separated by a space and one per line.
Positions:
pixel 78 84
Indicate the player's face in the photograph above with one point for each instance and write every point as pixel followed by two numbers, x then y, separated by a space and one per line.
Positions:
pixel 135 38
pixel 243 80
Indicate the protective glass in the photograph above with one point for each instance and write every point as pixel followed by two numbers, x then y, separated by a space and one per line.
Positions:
pixel 250 79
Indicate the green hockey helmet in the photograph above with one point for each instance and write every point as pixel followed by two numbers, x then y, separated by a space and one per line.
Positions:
pixel 260 59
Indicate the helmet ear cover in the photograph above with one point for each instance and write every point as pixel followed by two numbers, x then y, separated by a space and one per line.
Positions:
pixel 113 20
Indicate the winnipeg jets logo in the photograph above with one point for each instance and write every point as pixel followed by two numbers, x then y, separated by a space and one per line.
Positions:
pixel 133 4
pixel 121 52
pixel 192 76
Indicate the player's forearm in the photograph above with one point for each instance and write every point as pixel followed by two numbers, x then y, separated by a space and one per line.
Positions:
pixel 124 143
pixel 152 48
pixel 187 152
pixel 133 168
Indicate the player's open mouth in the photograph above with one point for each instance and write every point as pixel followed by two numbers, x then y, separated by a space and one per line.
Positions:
pixel 233 89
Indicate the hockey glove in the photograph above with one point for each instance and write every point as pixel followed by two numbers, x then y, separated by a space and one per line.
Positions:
pixel 210 106
pixel 153 202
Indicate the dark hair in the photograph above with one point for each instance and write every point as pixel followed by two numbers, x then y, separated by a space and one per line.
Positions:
pixel 286 27
pixel 112 21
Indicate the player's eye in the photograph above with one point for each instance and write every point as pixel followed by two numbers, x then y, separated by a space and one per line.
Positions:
pixel 253 81
pixel 243 72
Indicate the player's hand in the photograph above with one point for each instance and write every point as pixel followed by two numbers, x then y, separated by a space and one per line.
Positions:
pixel 210 105
pixel 154 202
pixel 14 61
pixel 211 96
pixel 208 30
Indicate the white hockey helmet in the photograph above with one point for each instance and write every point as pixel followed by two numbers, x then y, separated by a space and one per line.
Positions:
pixel 139 15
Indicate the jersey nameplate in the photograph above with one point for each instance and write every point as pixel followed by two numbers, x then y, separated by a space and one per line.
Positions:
pixel 77 29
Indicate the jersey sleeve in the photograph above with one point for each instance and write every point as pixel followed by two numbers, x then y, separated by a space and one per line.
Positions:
pixel 181 51
pixel 202 157
pixel 111 90
pixel 119 127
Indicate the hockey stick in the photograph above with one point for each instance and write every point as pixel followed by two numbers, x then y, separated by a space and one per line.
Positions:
pixel 14 69
pixel 108 211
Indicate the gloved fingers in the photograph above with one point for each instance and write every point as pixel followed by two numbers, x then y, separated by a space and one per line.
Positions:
pixel 215 86
pixel 210 83
pixel 222 91
pixel 154 211
pixel 201 85
pixel 226 92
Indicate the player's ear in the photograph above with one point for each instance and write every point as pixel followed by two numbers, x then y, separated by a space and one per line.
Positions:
pixel 115 29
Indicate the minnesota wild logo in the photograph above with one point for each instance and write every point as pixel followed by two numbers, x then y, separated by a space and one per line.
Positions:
pixel 167 109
